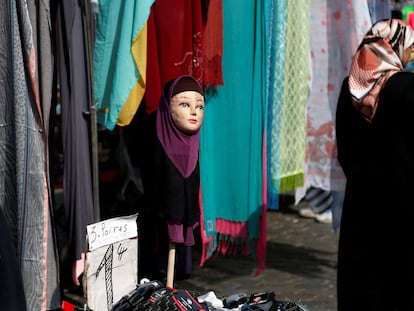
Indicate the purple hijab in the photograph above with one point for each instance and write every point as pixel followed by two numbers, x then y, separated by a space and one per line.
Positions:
pixel 181 148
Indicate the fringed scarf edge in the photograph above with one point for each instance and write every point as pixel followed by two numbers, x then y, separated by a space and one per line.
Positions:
pixel 232 238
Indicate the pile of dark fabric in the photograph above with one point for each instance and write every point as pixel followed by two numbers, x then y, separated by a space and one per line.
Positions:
pixel 154 296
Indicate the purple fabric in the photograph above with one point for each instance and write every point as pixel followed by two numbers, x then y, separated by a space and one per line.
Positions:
pixel 181 148
pixel 176 233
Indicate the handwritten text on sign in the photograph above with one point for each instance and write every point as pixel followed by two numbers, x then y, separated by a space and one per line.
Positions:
pixel 111 231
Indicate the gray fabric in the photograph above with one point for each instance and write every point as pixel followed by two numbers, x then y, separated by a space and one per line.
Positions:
pixel 75 98
pixel 24 195
pixel 39 13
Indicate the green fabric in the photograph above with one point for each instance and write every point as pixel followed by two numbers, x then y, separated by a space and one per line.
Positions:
pixel 276 61
pixel 231 136
pixel 406 11
pixel 295 94
pixel 115 71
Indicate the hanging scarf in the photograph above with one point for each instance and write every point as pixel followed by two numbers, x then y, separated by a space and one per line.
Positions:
pixel 120 60
pixel 231 154
pixel 25 92
pixel 276 27
pixel 295 94
pixel 181 148
pixel 213 45
pixel 376 60
pixel 174 45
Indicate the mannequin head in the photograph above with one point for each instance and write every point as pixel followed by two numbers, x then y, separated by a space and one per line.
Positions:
pixel 179 118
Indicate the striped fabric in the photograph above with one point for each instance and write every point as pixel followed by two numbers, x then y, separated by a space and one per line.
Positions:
pixel 319 200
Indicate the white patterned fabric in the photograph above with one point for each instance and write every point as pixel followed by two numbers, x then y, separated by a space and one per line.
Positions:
pixel 336 29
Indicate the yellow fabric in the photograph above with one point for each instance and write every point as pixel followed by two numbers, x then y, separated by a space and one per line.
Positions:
pixel 139 52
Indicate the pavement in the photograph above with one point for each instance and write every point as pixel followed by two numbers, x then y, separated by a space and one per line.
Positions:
pixel 300 264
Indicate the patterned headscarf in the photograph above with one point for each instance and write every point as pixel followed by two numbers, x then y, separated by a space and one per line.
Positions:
pixel 181 148
pixel 378 57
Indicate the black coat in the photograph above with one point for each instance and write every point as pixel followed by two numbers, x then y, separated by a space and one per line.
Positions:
pixel 375 256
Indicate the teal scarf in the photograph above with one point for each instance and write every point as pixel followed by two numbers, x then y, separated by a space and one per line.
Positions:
pixel 231 137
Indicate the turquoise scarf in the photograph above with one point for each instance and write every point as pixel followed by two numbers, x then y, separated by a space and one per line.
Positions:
pixel 231 137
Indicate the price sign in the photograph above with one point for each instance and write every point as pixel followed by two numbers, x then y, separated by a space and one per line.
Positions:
pixel 111 231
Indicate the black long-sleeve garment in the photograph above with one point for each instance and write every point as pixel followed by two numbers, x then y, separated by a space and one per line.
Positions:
pixel 73 79
pixel 167 196
pixel 375 256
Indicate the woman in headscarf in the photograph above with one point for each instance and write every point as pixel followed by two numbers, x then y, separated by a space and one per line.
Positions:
pixel 375 137
pixel 171 179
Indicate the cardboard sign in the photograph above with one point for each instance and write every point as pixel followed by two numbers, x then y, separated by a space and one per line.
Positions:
pixel 111 231
pixel 111 273
pixel 111 265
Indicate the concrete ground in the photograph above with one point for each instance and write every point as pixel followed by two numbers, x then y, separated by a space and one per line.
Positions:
pixel 301 264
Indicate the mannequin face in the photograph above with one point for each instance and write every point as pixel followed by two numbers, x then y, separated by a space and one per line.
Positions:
pixel 187 110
